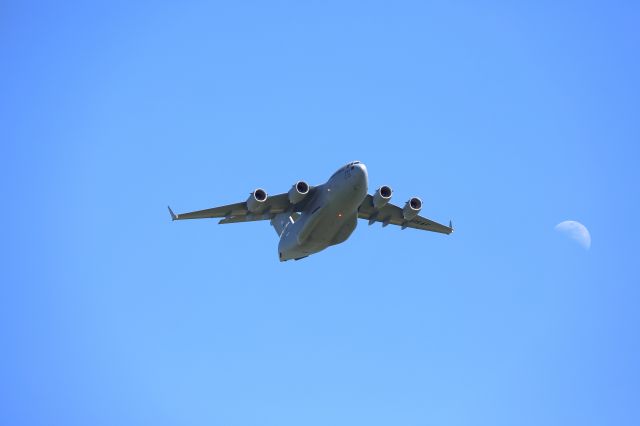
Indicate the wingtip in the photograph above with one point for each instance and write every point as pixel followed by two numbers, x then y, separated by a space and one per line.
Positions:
pixel 173 215
pixel 451 226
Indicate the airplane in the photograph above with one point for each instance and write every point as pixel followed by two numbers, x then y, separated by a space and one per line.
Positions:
pixel 308 219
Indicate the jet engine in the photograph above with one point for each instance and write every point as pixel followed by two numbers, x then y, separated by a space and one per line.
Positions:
pixel 298 191
pixel 382 196
pixel 257 201
pixel 412 208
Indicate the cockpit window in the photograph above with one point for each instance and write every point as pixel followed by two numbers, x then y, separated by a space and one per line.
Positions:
pixel 349 166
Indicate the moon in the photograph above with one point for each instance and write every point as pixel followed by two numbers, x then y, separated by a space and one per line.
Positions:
pixel 576 231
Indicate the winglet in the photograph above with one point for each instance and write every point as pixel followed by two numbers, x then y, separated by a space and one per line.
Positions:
pixel 173 215
pixel 451 225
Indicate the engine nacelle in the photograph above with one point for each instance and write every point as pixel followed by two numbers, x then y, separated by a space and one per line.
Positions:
pixel 257 201
pixel 382 196
pixel 298 191
pixel 412 208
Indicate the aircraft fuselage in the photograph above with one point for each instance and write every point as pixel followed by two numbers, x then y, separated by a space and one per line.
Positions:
pixel 330 217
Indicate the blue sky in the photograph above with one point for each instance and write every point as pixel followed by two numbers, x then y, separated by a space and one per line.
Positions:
pixel 507 118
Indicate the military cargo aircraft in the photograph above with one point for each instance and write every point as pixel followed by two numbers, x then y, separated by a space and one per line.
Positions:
pixel 308 219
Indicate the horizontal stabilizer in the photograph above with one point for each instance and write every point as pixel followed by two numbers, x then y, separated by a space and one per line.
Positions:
pixel 280 222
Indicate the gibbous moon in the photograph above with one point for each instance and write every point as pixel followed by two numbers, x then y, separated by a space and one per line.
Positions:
pixel 576 231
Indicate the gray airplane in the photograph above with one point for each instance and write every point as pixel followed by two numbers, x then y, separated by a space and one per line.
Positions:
pixel 308 219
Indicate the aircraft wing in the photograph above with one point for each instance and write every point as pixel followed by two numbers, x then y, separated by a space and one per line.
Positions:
pixel 392 214
pixel 238 212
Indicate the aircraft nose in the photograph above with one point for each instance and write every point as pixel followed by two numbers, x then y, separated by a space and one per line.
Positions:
pixel 361 173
